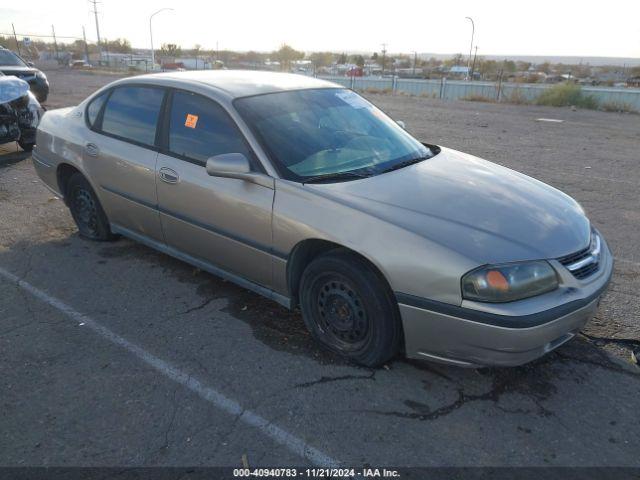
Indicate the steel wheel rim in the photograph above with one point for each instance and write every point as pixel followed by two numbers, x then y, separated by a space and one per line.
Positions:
pixel 85 210
pixel 340 313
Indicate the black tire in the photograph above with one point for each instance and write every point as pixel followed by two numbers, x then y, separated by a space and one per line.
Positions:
pixel 86 210
pixel 26 146
pixel 350 309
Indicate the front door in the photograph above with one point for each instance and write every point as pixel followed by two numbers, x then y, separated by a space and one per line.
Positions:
pixel 223 221
pixel 120 156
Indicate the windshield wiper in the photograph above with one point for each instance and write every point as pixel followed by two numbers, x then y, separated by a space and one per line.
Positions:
pixel 335 176
pixel 406 163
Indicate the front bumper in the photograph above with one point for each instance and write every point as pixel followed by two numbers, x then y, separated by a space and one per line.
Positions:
pixel 468 337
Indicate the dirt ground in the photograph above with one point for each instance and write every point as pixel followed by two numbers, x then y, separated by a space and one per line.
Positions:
pixel 75 395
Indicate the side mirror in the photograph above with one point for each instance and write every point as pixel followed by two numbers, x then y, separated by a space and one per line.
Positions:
pixel 229 165
pixel 31 64
pixel 401 123
pixel 236 165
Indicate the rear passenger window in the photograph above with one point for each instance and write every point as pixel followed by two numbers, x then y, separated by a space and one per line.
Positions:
pixel 199 128
pixel 94 108
pixel 132 113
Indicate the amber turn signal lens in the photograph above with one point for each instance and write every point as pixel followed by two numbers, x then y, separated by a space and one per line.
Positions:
pixel 496 280
pixel 508 282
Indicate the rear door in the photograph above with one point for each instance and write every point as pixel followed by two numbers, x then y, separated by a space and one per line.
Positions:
pixel 223 221
pixel 120 156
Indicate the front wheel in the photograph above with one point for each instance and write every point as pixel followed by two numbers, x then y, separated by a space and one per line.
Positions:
pixel 349 308
pixel 86 210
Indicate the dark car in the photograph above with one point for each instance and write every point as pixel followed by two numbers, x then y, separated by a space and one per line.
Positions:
pixel 12 64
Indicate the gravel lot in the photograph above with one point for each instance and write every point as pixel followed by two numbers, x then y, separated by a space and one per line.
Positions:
pixel 90 382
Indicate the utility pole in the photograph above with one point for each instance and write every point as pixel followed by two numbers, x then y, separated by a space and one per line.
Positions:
pixel 473 31
pixel 86 47
pixel 16 38
pixel 95 15
pixel 473 66
pixel 415 60
pixel 384 53
pixel 55 43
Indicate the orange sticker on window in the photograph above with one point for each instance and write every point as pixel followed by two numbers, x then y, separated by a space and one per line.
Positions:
pixel 191 121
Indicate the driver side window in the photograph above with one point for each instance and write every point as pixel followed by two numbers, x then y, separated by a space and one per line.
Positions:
pixel 199 128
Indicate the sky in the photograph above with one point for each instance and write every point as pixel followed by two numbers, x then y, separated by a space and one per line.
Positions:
pixel 540 27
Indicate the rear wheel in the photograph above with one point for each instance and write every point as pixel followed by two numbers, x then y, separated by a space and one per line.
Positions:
pixel 86 210
pixel 350 309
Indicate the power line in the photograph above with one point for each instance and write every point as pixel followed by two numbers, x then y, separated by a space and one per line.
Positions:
pixel 38 36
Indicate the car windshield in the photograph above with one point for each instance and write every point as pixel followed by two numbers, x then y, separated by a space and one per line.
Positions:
pixel 10 59
pixel 328 133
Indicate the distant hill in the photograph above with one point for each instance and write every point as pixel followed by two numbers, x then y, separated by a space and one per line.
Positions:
pixel 571 60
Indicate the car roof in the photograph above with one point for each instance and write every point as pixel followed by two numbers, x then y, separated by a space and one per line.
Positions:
pixel 243 83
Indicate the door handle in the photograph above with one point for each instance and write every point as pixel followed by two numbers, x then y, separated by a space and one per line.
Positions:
pixel 92 149
pixel 168 175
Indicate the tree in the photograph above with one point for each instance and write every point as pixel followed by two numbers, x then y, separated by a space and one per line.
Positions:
pixel 342 59
pixel 286 55
pixel 357 59
pixel 509 66
pixel 321 59
pixel 522 66
pixel 170 50
pixel 488 69
pixel 119 45
pixel 374 57
pixel 457 59
pixel 253 57
pixel 7 42
pixel 545 67
pixel 582 70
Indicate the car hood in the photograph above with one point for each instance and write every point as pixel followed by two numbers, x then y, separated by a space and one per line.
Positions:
pixel 483 211
pixel 12 88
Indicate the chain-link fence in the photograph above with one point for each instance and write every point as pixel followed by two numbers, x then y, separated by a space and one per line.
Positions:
pixel 627 99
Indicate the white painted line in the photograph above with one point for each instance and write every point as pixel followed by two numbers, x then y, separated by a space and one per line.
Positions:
pixel 211 395
pixel 551 120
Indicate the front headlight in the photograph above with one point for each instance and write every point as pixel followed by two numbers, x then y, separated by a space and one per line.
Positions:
pixel 509 281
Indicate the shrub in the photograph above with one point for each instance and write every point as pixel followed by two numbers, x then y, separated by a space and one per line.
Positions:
pixel 618 107
pixel 478 98
pixel 567 94
pixel 517 97
pixel 378 90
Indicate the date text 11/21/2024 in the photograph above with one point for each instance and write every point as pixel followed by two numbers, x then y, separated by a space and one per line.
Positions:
pixel 316 473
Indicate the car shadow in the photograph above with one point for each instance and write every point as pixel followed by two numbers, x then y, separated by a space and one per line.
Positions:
pixel 11 153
